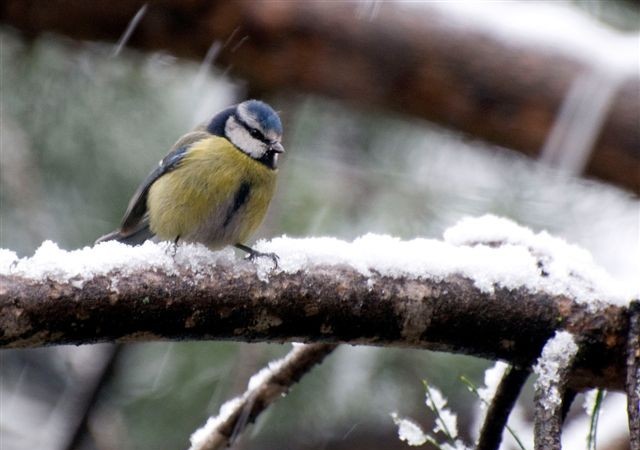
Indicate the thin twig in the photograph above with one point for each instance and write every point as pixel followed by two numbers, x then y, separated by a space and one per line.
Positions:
pixel 633 374
pixel 553 369
pixel 501 406
pixel 89 395
pixel 265 388
pixel 567 400
pixel 473 388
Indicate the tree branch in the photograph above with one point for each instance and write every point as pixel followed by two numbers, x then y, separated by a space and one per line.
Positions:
pixel 324 304
pixel 265 388
pixel 553 369
pixel 633 375
pixel 89 391
pixel 413 60
pixel 501 406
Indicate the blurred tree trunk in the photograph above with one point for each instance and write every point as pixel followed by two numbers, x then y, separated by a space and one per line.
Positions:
pixel 408 59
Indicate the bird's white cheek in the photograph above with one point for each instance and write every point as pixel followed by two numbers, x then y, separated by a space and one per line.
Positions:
pixel 241 138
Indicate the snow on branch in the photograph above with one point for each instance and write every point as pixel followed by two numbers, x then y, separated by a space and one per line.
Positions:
pixel 553 369
pixel 264 388
pixel 489 277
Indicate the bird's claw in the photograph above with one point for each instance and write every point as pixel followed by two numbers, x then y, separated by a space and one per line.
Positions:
pixel 255 254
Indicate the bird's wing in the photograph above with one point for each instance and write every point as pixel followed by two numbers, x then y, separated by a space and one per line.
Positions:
pixel 137 209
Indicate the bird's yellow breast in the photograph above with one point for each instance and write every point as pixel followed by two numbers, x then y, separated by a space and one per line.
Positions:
pixel 217 195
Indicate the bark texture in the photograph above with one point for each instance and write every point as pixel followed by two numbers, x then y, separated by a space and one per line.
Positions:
pixel 411 60
pixel 633 376
pixel 329 304
pixel 549 415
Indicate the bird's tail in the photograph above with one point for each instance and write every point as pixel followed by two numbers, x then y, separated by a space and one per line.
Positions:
pixel 135 237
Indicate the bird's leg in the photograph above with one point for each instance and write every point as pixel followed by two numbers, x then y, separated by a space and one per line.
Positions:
pixel 174 247
pixel 253 254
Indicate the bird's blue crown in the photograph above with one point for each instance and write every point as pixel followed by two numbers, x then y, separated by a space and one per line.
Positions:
pixel 265 115
pixel 260 111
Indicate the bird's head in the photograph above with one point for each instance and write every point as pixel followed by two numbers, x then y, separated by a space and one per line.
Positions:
pixel 254 128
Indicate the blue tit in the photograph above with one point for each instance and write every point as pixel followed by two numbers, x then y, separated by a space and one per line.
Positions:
pixel 214 186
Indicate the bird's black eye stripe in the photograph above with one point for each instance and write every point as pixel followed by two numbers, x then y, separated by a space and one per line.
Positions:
pixel 256 134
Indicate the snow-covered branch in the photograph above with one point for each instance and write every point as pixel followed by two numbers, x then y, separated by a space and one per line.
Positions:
pixel 263 389
pixel 553 369
pixel 490 288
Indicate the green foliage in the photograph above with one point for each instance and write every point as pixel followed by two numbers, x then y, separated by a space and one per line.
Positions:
pixel 593 423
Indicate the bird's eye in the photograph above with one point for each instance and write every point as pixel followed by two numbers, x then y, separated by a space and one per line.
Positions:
pixel 255 133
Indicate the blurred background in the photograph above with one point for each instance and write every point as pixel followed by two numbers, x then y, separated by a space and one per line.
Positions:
pixel 527 110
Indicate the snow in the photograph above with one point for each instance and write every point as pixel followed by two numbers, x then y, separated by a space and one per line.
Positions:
pixel 613 425
pixel 491 251
pixel 556 354
pixel 590 400
pixel 553 25
pixel 200 436
pixel 263 375
pixel 457 445
pixel 409 431
pixel 434 399
pixel 7 259
pixel 77 266
pixel 446 421
pixel 492 378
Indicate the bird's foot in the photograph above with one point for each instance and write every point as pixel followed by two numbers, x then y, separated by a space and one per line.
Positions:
pixel 253 254
pixel 172 248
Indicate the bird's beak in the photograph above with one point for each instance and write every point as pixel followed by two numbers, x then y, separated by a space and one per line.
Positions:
pixel 276 147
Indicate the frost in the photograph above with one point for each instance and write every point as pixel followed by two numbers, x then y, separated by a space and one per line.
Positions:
pixel 492 378
pixel 409 431
pixel 557 353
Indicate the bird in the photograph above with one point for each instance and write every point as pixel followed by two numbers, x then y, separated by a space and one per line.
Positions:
pixel 213 187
